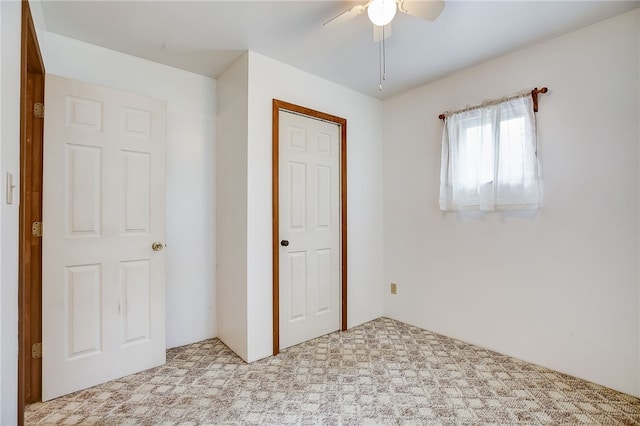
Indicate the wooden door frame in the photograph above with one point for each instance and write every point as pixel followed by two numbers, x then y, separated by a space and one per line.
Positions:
pixel 32 77
pixel 278 106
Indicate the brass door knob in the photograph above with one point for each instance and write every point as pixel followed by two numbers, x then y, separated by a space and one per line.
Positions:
pixel 157 246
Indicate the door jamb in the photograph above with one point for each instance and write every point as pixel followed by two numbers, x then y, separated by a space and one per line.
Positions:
pixel 278 106
pixel 32 76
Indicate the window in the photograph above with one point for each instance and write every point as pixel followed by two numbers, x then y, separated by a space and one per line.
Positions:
pixel 489 158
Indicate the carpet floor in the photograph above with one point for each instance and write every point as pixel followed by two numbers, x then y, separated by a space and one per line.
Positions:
pixel 383 372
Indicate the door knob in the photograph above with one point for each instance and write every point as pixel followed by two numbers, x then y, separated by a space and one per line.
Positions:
pixel 157 246
pixel 284 243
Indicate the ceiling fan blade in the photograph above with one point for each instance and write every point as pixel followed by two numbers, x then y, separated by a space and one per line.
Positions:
pixel 378 32
pixel 346 15
pixel 425 9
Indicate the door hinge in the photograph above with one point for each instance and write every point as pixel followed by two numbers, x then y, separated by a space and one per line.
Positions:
pixel 36 350
pixel 38 109
pixel 36 229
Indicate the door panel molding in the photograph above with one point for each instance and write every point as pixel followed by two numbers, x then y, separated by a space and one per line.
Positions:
pixel 277 106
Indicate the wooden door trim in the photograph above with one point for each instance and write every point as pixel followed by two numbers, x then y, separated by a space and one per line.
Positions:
pixel 278 106
pixel 32 78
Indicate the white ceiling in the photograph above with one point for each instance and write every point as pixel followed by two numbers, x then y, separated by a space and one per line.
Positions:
pixel 206 36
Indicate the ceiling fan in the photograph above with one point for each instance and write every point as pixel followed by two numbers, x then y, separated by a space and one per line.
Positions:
pixel 382 12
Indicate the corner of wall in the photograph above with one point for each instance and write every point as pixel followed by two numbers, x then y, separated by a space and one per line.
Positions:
pixel 231 206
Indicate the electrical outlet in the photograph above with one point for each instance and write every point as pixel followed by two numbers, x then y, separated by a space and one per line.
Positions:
pixel 394 288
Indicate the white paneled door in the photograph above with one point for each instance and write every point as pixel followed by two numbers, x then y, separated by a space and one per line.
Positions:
pixel 103 209
pixel 309 221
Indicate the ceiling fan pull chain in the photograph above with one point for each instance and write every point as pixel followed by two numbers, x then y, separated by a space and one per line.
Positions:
pixel 380 67
pixel 383 61
pixel 384 56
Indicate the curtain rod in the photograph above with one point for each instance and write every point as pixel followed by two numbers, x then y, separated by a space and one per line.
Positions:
pixel 534 96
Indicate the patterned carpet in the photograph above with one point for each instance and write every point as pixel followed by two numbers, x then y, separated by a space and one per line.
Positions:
pixel 380 373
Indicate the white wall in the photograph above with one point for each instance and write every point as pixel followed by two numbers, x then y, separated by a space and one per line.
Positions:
pixel 10 17
pixel 269 79
pixel 246 91
pixel 231 206
pixel 558 288
pixel 190 159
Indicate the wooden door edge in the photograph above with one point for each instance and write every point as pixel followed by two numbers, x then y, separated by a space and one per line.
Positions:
pixel 278 106
pixel 274 226
pixel 30 63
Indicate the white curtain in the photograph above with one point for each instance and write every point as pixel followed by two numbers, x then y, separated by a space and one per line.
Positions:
pixel 489 158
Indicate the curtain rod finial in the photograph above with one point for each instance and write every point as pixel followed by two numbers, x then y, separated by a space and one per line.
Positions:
pixel 534 96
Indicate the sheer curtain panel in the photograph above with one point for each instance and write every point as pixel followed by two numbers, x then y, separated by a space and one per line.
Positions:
pixel 489 158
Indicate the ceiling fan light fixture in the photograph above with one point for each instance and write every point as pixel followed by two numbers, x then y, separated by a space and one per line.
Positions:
pixel 381 12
